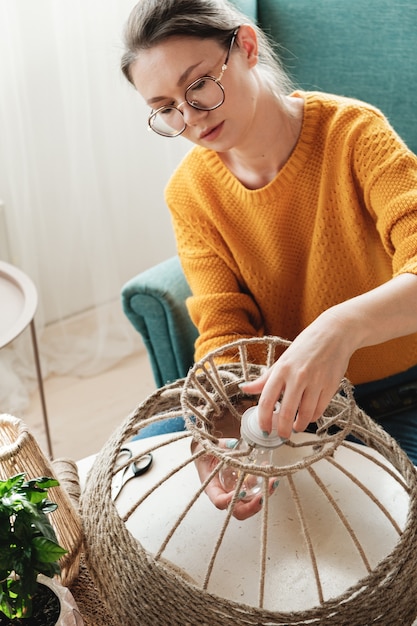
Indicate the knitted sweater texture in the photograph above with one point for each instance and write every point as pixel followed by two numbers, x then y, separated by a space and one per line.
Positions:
pixel 339 219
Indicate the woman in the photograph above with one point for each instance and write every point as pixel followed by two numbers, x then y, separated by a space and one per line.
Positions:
pixel 295 214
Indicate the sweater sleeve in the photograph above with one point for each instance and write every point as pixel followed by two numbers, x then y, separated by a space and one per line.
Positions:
pixel 220 307
pixel 387 172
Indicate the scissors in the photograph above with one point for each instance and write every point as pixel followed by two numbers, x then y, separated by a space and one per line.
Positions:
pixel 137 468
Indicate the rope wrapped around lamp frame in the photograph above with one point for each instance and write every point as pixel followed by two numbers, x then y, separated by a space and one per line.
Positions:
pixel 143 587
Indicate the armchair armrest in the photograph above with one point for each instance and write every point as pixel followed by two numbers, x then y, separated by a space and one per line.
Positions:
pixel 154 302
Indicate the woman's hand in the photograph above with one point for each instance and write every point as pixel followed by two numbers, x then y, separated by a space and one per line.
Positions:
pixel 305 378
pixel 215 491
pixel 308 374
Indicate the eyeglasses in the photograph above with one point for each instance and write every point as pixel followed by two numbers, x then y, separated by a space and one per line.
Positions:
pixel 205 94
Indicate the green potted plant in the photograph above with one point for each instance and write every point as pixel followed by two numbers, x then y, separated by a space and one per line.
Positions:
pixel 28 550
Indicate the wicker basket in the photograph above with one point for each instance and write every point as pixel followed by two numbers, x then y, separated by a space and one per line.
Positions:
pixel 20 452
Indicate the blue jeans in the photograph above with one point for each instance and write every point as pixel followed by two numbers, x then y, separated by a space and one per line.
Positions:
pixel 171 425
pixel 402 426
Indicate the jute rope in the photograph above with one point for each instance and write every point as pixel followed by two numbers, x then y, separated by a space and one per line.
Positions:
pixel 144 589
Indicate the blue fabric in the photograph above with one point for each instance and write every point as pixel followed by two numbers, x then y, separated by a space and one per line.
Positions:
pixel 362 49
pixel 248 7
pixel 403 425
pixel 154 302
pixel 403 428
pixel 164 427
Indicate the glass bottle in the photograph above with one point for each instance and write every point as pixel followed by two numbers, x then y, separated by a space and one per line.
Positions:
pixel 254 448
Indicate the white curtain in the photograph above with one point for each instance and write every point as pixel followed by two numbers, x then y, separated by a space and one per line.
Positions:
pixel 81 180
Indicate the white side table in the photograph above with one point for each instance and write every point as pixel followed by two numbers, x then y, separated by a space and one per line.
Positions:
pixel 18 303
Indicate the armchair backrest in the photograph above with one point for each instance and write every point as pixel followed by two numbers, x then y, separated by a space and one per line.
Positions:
pixel 366 49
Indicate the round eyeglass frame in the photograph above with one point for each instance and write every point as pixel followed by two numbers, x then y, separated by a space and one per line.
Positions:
pixel 192 103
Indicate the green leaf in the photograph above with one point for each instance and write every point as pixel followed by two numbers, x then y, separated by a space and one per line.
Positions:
pixel 7 486
pixel 48 506
pixel 6 607
pixel 47 551
pixel 34 496
pixel 14 600
pixel 22 524
pixel 21 561
pixel 49 569
pixel 25 587
pixel 42 526
pixel 44 482
pixel 5 527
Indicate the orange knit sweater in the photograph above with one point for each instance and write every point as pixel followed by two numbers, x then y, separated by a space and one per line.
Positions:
pixel 339 219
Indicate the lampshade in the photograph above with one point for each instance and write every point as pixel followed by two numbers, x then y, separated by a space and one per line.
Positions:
pixel 335 543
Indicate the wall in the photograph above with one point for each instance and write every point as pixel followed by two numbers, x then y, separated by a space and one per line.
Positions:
pixel 81 178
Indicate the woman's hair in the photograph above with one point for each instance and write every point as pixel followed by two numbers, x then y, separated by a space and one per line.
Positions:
pixel 153 21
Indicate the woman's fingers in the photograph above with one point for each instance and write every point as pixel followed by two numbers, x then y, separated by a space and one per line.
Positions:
pixel 271 389
pixel 256 386
pixel 242 509
pixel 303 379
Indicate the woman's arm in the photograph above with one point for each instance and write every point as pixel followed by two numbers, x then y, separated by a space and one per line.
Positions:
pixel 308 374
pixel 221 306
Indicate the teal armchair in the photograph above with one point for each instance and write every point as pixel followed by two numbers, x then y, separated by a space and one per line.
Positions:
pixel 154 302
pixel 366 49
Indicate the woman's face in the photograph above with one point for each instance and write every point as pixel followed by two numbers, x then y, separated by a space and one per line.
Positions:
pixel 163 73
